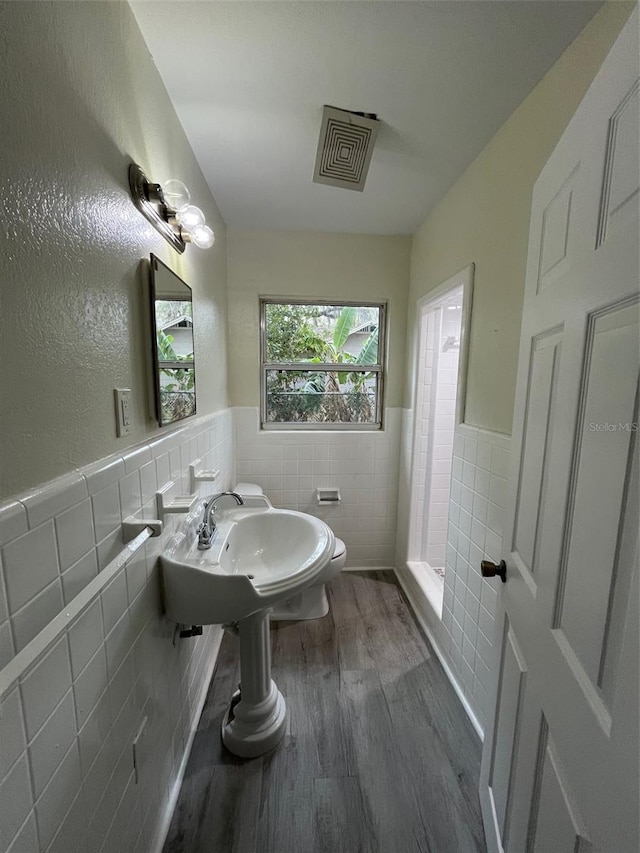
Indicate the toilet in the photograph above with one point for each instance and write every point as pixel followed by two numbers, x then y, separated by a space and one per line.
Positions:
pixel 311 603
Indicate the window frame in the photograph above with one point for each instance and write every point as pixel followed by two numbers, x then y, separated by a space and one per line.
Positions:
pixel 379 368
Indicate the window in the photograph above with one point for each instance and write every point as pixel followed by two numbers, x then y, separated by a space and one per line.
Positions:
pixel 322 364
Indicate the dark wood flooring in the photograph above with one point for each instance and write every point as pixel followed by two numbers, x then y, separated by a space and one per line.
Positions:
pixel 379 756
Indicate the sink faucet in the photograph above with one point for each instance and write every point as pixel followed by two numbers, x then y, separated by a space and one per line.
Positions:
pixel 207 526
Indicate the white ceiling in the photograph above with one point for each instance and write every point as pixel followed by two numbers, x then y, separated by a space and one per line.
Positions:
pixel 249 79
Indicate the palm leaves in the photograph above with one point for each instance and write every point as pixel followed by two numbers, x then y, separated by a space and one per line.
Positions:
pixel 183 378
pixel 343 327
pixel 369 352
pixel 335 354
pixel 308 334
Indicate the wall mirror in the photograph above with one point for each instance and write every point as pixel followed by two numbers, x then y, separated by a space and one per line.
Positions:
pixel 174 363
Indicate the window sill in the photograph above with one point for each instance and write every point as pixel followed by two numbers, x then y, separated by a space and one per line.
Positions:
pixel 293 428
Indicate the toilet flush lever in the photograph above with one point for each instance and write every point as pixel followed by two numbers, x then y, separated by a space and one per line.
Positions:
pixel 490 570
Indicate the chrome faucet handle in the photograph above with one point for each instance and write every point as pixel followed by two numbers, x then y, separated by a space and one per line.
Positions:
pixel 204 538
pixel 208 524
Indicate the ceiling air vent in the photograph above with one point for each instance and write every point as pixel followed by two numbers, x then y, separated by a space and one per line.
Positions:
pixel 344 148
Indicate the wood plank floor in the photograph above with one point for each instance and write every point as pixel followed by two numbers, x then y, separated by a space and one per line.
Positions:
pixel 379 756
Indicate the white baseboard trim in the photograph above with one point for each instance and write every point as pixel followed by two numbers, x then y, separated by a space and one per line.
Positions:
pixel 165 818
pixel 369 569
pixel 418 608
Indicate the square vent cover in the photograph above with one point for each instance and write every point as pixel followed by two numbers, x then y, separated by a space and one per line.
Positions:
pixel 345 148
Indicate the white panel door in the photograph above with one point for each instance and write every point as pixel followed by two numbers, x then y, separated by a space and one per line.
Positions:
pixel 561 757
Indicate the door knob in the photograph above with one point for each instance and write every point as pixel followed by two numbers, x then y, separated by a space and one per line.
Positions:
pixel 490 570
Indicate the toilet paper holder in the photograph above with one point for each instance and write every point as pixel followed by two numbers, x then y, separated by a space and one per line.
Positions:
pixel 328 496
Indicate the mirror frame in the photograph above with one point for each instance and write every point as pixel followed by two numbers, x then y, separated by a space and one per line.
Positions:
pixel 157 266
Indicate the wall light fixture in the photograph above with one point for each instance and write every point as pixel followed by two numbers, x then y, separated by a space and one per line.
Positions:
pixel 167 207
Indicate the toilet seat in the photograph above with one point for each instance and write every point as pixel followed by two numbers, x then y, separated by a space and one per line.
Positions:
pixel 339 549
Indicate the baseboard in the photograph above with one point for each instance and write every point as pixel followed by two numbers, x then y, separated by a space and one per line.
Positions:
pixel 419 610
pixel 368 569
pixel 165 819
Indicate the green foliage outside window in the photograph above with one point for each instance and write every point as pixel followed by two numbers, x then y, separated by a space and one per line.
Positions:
pixel 315 334
pixel 182 378
pixel 177 384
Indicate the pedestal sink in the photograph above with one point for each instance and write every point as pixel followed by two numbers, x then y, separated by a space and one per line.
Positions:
pixel 258 558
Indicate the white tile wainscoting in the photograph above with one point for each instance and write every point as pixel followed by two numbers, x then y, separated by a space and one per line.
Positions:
pixel 66 729
pixel 290 465
pixel 67 780
pixel 464 638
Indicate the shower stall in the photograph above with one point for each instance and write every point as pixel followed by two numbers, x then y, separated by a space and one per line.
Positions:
pixel 437 411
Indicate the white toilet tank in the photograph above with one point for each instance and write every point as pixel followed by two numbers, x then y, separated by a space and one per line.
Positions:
pixel 248 489
pixel 251 494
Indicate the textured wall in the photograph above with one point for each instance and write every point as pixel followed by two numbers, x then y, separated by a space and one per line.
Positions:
pixel 317 266
pixel 484 219
pixel 80 98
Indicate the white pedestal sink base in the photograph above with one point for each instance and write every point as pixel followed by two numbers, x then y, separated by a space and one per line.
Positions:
pixel 257 716
pixel 255 729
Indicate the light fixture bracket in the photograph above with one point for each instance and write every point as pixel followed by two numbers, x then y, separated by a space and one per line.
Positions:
pixel 149 199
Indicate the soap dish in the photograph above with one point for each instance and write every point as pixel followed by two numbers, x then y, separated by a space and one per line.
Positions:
pixel 173 503
pixel 199 474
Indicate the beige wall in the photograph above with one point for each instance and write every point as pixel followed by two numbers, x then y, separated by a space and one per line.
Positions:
pixel 304 264
pixel 80 98
pixel 484 219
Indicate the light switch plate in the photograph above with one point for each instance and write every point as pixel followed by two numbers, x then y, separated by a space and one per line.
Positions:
pixel 123 410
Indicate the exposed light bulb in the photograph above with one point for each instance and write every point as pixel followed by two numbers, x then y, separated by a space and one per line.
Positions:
pixel 176 194
pixel 191 217
pixel 203 237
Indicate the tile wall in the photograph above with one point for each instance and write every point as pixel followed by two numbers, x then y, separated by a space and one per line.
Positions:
pixel 436 404
pixel 291 465
pixel 424 468
pixel 443 434
pixel 465 636
pixel 67 780
pixel 478 488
